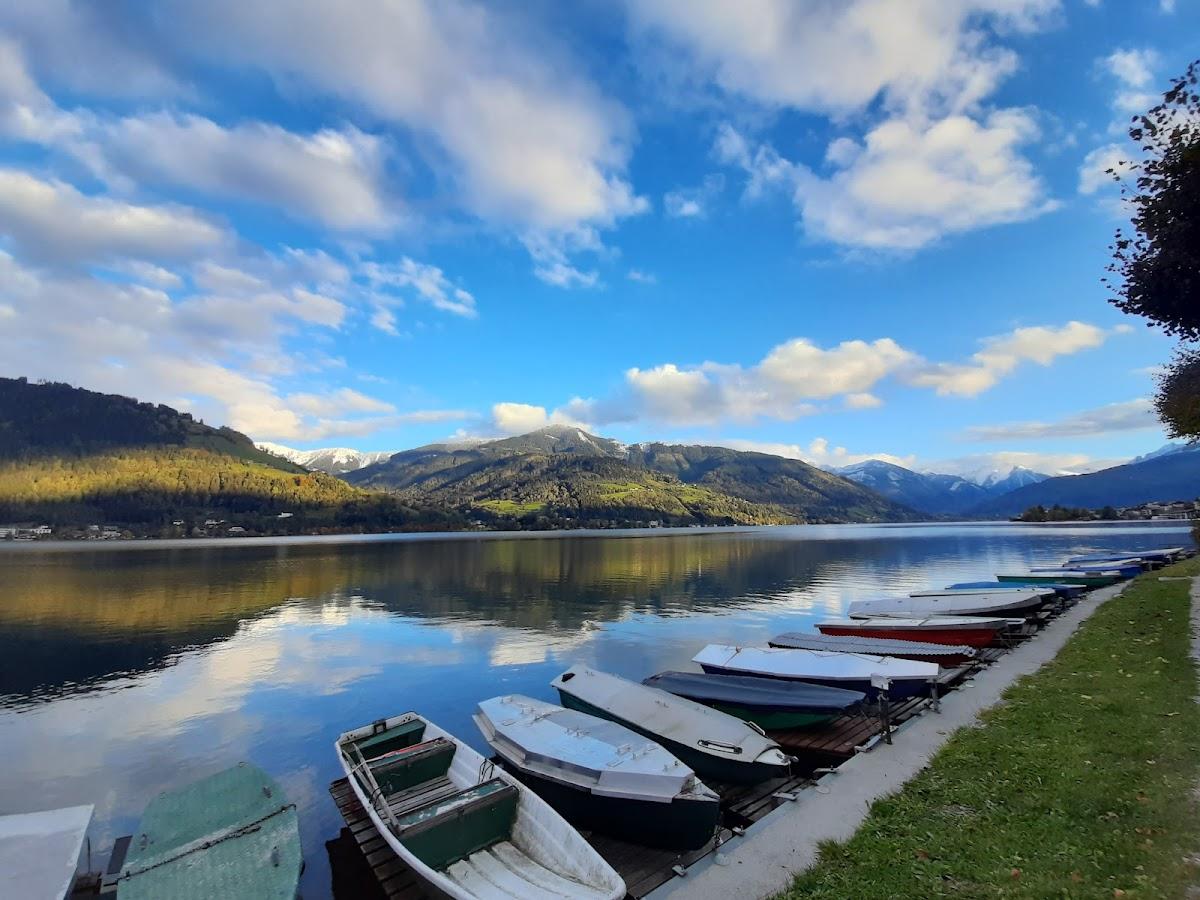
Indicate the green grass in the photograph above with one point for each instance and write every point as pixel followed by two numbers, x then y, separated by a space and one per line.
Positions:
pixel 511 507
pixel 1080 784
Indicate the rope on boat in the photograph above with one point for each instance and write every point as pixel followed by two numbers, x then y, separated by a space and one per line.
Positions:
pixel 242 830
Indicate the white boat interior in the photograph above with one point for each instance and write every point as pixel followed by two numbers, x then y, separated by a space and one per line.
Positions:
pixel 465 827
pixel 39 851
pixel 568 746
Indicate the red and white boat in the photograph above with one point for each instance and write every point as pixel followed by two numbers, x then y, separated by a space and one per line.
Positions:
pixel 970 631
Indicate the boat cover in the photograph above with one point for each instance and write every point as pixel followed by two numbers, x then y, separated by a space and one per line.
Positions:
pixel 844 643
pixel 949 605
pixel 751 691
pixel 674 718
pixel 1165 553
pixel 1018 585
pixel 604 757
pixel 1032 593
pixel 39 851
pixel 820 664
pixel 928 623
pixel 231 835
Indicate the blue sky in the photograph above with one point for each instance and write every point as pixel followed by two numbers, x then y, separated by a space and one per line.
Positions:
pixel 830 230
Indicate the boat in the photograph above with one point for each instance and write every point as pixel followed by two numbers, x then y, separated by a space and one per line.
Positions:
pixel 1125 568
pixel 466 828
pixel 852 671
pixel 973 631
pixel 770 704
pixel 1064 576
pixel 600 775
pixel 942 654
pixel 1062 590
pixel 1043 592
pixel 1006 603
pixel 1162 555
pixel 715 745
pixel 39 851
pixel 230 835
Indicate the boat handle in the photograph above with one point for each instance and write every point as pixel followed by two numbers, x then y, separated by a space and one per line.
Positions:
pixel 717 745
pixel 757 728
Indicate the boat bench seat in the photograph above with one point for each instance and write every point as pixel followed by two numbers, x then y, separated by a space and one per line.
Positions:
pixel 403 769
pixel 455 826
pixel 385 740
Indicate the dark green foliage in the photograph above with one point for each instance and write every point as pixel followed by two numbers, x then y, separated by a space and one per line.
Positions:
pixel 72 458
pixel 1157 269
pixel 1058 513
pixel 1177 400
pixel 52 419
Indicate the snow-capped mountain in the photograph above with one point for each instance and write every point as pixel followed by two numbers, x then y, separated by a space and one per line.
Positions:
pixel 937 492
pixel 332 460
pixel 1167 450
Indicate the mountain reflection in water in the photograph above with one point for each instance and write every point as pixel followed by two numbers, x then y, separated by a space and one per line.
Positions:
pixel 126 671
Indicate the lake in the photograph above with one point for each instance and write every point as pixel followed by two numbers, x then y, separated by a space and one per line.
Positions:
pixel 127 669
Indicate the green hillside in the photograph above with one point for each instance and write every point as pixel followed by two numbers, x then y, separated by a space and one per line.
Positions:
pixel 71 458
pixel 561 471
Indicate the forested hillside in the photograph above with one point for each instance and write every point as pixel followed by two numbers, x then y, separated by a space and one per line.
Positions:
pixel 72 458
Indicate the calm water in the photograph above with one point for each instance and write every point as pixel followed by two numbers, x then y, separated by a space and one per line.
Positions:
pixel 126 670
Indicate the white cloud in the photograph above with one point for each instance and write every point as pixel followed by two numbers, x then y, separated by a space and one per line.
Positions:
pixel 94 49
pixel 1002 462
pixel 525 139
pixel 429 282
pixel 50 221
pixel 1166 6
pixel 1132 415
pixel 641 277
pixel 693 203
pixel 908 183
pixel 1134 71
pixel 817 452
pixel 333 176
pixel 839 57
pixel 1003 354
pixel 520 418
pixel 1093 172
pixel 862 401
pixel 931 165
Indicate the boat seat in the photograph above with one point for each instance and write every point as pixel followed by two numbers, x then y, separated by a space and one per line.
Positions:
pixel 385 740
pixel 453 827
pixel 421 795
pixel 406 768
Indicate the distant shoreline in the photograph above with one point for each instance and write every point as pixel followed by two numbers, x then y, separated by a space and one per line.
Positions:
pixel 200 543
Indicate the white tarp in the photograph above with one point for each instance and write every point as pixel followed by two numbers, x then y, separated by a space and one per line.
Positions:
pixel 39 851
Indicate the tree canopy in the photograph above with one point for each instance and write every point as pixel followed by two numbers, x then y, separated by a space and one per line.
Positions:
pixel 1156 269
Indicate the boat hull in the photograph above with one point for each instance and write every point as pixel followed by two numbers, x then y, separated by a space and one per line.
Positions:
pixel 703 764
pixel 900 689
pixel 681 825
pixel 969 637
pixel 775 719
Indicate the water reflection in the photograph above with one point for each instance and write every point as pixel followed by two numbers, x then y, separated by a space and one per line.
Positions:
pixel 124 673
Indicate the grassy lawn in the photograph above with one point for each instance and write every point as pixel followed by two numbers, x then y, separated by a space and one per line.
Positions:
pixel 511 507
pixel 1080 784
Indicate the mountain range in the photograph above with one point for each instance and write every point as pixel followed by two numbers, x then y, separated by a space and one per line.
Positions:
pixel 1168 474
pixel 565 471
pixel 330 460
pixel 935 493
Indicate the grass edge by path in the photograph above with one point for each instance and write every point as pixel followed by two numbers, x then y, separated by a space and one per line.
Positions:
pixel 1079 783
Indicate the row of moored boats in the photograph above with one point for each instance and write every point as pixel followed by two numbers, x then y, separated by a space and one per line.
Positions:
pixel 636 760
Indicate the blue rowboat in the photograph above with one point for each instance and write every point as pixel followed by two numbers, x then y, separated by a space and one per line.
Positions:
pixel 767 702
pixel 1124 569
pixel 1164 555
pixel 1063 590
